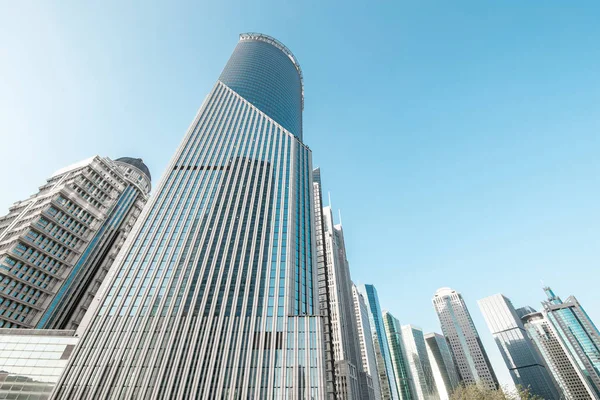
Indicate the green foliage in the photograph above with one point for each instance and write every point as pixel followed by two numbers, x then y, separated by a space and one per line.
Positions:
pixel 475 392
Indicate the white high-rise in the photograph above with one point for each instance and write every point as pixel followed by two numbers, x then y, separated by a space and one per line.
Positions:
pixel 418 363
pixel 470 356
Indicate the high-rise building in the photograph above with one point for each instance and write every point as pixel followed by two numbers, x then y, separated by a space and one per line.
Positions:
pixel 578 338
pixel 367 348
pixel 560 362
pixel 442 365
pixel 418 363
pixel 467 350
pixel 325 306
pixel 522 311
pixel 402 373
pixel 57 246
pixel 526 367
pixel 387 380
pixel 344 331
pixel 215 293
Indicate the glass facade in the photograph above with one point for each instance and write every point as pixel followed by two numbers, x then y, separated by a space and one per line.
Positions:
pixel 402 372
pixel 526 367
pixel 31 361
pixel 265 73
pixel 418 362
pixel 442 365
pixel 215 294
pixel 578 334
pixel 387 379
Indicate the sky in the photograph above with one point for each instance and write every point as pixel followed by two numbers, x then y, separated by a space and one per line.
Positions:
pixel 459 139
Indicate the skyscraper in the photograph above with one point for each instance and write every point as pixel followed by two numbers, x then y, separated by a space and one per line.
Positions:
pixel 367 349
pixel 469 354
pixel 526 367
pixel 387 380
pixel 442 365
pixel 57 246
pixel 344 331
pixel 325 306
pixel 402 372
pixel 577 335
pixel 560 362
pixel 215 295
pixel 418 363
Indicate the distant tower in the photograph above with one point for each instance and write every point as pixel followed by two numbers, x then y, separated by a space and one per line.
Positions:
pixel 527 369
pixel 58 245
pixel 469 354
pixel 387 381
pixel 367 349
pixel 402 372
pixel 570 344
pixel 323 274
pixel 442 365
pixel 418 361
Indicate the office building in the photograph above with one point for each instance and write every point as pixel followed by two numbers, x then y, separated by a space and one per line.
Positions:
pixel 57 246
pixel 367 348
pixel 526 367
pixel 387 380
pixel 418 363
pixel 215 294
pixel 570 344
pixel 344 331
pixel 402 373
pixel 323 274
pixel 467 350
pixel 442 365
pixel 562 365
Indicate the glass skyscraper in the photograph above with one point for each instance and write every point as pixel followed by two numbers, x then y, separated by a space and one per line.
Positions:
pixel 442 365
pixel 571 328
pixel 387 380
pixel 404 379
pixel 526 367
pixel 418 363
pixel 214 295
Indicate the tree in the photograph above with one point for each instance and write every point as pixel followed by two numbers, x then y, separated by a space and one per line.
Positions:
pixel 476 392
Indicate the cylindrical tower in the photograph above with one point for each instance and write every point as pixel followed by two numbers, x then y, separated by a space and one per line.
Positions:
pixel 265 72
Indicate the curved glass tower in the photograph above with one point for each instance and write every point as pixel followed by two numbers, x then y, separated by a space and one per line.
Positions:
pixel 214 294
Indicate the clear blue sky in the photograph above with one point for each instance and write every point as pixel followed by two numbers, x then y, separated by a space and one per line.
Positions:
pixel 461 139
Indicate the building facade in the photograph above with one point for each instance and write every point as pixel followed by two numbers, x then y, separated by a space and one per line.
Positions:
pixel 387 380
pixel 57 246
pixel 402 373
pixel 570 344
pixel 31 361
pixel 467 350
pixel 215 295
pixel 527 369
pixel 418 363
pixel 343 320
pixel 561 364
pixel 442 365
pixel 371 388
pixel 323 274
